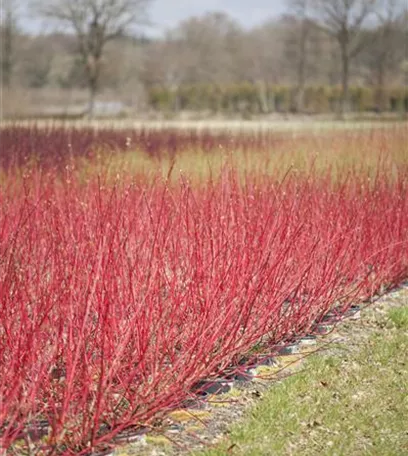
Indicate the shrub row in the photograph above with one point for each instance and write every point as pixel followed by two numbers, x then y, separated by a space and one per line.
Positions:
pixel 249 99
pixel 115 299
pixel 50 146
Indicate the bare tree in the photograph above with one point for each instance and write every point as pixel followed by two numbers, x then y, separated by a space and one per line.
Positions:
pixel 344 20
pixel 95 23
pixel 206 48
pixel 300 9
pixel 387 45
pixel 262 61
pixel 209 40
pixel 8 35
pixel 166 64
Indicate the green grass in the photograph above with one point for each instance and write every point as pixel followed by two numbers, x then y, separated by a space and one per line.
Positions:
pixel 399 316
pixel 354 403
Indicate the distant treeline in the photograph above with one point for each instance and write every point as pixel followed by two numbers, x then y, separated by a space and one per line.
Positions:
pixel 315 58
pixel 251 99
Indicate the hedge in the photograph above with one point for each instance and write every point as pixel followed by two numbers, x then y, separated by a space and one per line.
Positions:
pixel 249 99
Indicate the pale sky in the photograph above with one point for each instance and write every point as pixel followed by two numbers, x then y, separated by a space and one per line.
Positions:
pixel 167 13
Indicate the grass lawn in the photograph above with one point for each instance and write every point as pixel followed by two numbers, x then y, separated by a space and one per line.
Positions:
pixel 351 402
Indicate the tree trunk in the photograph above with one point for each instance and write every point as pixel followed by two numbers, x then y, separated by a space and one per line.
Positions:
pixel 92 97
pixel 176 99
pixel 301 70
pixel 299 104
pixel 7 50
pixel 300 89
pixel 93 80
pixel 380 98
pixel 263 96
pixel 345 74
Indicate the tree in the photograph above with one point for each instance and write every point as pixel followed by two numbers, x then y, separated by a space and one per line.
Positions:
pixel 166 64
pixel 200 51
pixel 95 23
pixel 211 41
pixel 344 20
pixel 301 35
pixel 387 45
pixel 263 61
pixel 8 35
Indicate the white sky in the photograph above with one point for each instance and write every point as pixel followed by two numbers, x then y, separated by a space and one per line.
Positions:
pixel 167 13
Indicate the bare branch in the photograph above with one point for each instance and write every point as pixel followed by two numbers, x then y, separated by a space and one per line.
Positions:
pixel 95 22
pixel 344 20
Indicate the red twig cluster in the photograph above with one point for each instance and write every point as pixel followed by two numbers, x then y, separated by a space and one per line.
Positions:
pixel 52 147
pixel 115 299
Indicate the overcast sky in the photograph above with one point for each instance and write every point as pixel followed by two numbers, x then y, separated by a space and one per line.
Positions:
pixel 167 13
